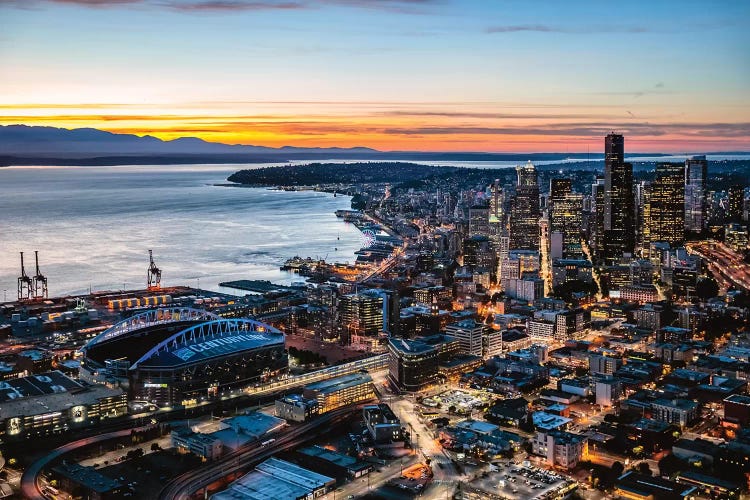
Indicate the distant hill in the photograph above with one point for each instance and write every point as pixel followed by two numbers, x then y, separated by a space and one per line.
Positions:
pixel 32 145
pixel 30 141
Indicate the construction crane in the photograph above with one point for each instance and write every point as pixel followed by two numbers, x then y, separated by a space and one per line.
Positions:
pixel 154 273
pixel 25 283
pixel 40 281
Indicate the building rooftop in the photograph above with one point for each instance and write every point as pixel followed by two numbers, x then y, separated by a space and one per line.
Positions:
pixel 653 487
pixel 677 404
pixel 477 426
pixel 255 424
pixel 334 457
pixel 275 479
pixel 411 346
pixel 47 393
pixel 88 477
pixel 739 399
pixel 339 383
pixel 648 424
pixel 548 421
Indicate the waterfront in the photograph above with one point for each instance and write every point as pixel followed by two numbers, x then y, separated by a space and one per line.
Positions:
pixel 93 226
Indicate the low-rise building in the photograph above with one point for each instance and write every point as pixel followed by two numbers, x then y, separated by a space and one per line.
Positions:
pixel 340 391
pixel 675 411
pixel 560 448
pixel 53 403
pixel 87 481
pixel 635 486
pixel 296 408
pixel 203 445
pixel 382 423
pixel 608 390
pixel 280 480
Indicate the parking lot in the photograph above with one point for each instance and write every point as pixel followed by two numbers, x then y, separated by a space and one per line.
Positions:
pixel 518 481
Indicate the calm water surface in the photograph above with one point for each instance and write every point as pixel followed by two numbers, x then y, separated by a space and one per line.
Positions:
pixel 93 226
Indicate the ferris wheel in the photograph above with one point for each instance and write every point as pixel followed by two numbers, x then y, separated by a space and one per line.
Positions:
pixel 368 237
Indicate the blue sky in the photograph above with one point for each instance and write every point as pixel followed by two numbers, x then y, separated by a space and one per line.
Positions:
pixel 417 74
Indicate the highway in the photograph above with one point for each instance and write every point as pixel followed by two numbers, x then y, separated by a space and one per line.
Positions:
pixel 187 484
pixel 725 264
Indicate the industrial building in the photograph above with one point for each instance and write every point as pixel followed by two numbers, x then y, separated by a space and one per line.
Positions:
pixel 52 403
pixel 280 480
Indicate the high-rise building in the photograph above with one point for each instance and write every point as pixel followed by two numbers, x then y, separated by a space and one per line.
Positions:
pixel 566 218
pixel 696 172
pixel 469 334
pixel 361 314
pixel 496 215
pixel 667 205
pixel 525 210
pixel 642 215
pixel 619 237
pixel 479 220
pixel 596 240
pixel 412 365
pixel 735 203
pixel 558 188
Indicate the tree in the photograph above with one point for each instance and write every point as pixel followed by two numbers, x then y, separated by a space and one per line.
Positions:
pixel 643 468
pixel 706 288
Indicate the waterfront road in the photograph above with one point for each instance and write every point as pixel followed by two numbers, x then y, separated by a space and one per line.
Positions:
pixel 186 485
pixel 30 480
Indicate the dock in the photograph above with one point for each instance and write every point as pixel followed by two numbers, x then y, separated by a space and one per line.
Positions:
pixel 258 286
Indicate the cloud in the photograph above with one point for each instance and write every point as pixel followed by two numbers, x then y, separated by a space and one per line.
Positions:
pixel 232 5
pixel 698 130
pixel 581 30
pixel 402 6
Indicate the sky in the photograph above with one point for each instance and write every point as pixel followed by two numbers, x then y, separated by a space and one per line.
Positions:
pixel 418 75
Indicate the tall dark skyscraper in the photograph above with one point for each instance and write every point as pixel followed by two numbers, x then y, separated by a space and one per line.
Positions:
pixel 525 211
pixel 696 171
pixel 666 219
pixel 619 213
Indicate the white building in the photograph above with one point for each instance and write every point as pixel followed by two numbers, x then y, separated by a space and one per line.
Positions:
pixel 608 391
pixel 560 448
pixel 469 335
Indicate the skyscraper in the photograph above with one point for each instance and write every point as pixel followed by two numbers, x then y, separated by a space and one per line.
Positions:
pixel 618 200
pixel 735 203
pixel 667 204
pixel 596 240
pixel 566 218
pixel 525 211
pixel 496 215
pixel 696 169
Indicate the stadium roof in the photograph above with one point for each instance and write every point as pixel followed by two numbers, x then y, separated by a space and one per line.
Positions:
pixel 208 340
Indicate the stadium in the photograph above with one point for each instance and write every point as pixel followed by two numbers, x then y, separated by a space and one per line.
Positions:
pixel 179 356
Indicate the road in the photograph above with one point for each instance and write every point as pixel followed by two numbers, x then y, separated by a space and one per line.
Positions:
pixel 445 473
pixel 30 480
pixel 725 264
pixel 187 484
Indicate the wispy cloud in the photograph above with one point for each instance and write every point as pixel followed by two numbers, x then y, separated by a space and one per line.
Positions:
pixel 549 28
pixel 402 6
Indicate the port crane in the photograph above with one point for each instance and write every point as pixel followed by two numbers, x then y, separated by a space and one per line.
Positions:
pixel 40 281
pixel 153 274
pixel 25 283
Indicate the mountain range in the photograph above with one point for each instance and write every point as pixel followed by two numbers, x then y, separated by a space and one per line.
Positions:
pixel 35 145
